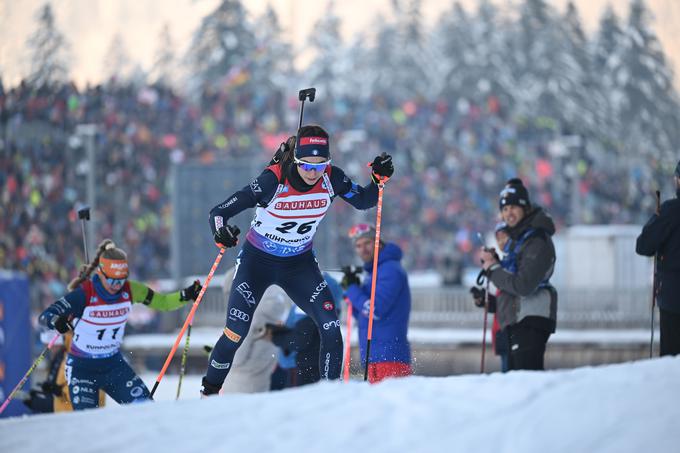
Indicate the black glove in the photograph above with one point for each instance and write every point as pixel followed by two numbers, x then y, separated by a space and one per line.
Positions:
pixel 382 168
pixel 61 324
pixel 350 276
pixel 191 292
pixel 227 236
pixel 51 388
pixel 478 295
pixel 208 389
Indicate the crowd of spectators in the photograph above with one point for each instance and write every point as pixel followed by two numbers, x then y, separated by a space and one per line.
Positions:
pixel 451 158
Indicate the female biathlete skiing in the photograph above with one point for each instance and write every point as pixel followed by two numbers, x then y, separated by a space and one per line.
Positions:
pixel 96 310
pixel 291 196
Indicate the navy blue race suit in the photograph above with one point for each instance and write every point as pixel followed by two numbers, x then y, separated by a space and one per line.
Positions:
pixel 278 251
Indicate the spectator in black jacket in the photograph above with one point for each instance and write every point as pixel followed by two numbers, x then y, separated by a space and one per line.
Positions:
pixel 661 237
pixel 527 302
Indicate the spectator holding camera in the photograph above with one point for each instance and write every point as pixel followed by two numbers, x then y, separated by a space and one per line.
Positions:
pixel 390 349
pixel 527 302
pixel 499 337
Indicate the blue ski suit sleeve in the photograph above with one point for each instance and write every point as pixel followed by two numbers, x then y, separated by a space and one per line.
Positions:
pixel 72 304
pixel 360 197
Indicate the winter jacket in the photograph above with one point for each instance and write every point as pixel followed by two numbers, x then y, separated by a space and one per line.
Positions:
pixel 661 234
pixel 525 293
pixel 391 311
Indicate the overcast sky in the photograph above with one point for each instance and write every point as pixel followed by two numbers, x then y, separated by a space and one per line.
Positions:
pixel 90 25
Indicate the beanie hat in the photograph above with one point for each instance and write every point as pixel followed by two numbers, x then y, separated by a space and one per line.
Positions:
pixel 312 146
pixel 514 193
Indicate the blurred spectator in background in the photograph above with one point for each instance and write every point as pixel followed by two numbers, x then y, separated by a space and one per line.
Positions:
pixel 527 303
pixel 452 272
pixel 390 354
pixel 143 129
pixel 661 237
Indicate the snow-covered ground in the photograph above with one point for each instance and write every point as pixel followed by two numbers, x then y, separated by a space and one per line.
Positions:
pixel 632 407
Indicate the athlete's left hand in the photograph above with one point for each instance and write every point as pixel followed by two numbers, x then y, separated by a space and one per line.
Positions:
pixel 383 168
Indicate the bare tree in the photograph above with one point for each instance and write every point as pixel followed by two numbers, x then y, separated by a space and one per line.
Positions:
pixel 48 50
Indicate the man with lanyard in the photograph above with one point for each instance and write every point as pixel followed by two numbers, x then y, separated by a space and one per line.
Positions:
pixel 527 303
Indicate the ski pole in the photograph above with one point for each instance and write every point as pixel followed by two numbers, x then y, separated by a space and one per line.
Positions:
pixel 374 276
pixel 654 288
pixel 188 320
pixel 28 373
pixel 348 346
pixel 486 312
pixel 183 365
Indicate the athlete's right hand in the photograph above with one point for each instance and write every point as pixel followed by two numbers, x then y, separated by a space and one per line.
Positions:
pixel 227 236
pixel 61 324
